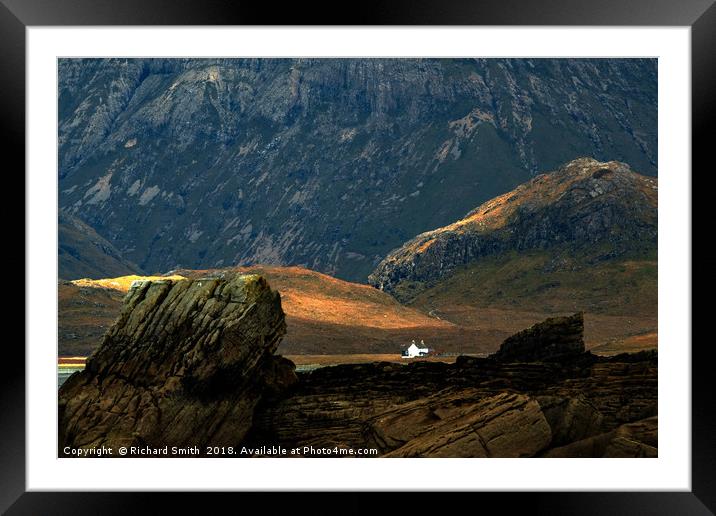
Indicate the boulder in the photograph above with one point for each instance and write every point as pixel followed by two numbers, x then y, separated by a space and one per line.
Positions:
pixel 553 339
pixel 184 364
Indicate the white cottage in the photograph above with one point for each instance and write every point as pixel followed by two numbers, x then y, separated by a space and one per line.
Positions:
pixel 415 351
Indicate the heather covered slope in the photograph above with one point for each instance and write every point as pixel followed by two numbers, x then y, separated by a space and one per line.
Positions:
pixel 87 308
pixel 325 163
pixel 582 238
pixel 327 316
pixel 324 315
pixel 509 292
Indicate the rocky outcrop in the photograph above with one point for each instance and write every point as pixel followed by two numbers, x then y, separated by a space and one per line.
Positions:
pixel 609 381
pixel 570 418
pixel 185 364
pixel 532 400
pixel 587 208
pixel 191 363
pixel 551 340
pixel 434 409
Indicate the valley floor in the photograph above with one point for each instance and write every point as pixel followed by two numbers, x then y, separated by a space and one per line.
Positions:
pixel 348 321
pixel 604 334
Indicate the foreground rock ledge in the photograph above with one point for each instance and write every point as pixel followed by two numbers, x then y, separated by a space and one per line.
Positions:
pixel 183 365
pixel 190 363
pixel 541 394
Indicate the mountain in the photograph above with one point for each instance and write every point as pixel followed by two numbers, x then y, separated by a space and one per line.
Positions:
pixel 586 209
pixel 582 238
pixel 325 163
pixel 85 254
pixel 324 315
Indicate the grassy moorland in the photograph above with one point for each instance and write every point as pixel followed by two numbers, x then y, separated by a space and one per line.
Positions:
pixel 324 315
pixel 471 312
pixel 505 295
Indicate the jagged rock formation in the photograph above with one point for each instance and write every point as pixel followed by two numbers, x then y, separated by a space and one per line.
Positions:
pixel 596 210
pixel 550 340
pixel 304 160
pixel 184 364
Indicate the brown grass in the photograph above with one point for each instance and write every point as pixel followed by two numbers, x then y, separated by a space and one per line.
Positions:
pixel 328 316
pixel 494 324
pixel 642 342
pixel 311 296
pixel 360 358
pixel 324 314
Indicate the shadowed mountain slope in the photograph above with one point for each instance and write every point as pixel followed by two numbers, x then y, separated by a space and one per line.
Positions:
pixel 85 254
pixel 200 163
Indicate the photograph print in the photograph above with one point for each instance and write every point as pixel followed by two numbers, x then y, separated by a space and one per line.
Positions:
pixel 357 257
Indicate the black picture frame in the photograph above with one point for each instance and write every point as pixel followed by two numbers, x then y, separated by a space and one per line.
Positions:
pixel 700 15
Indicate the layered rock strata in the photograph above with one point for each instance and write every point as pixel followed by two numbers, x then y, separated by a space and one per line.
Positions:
pixel 476 407
pixel 183 365
pixel 539 392
pixel 191 363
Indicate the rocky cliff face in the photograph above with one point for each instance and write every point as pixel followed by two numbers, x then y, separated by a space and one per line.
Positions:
pixel 598 210
pixel 217 162
pixel 184 365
